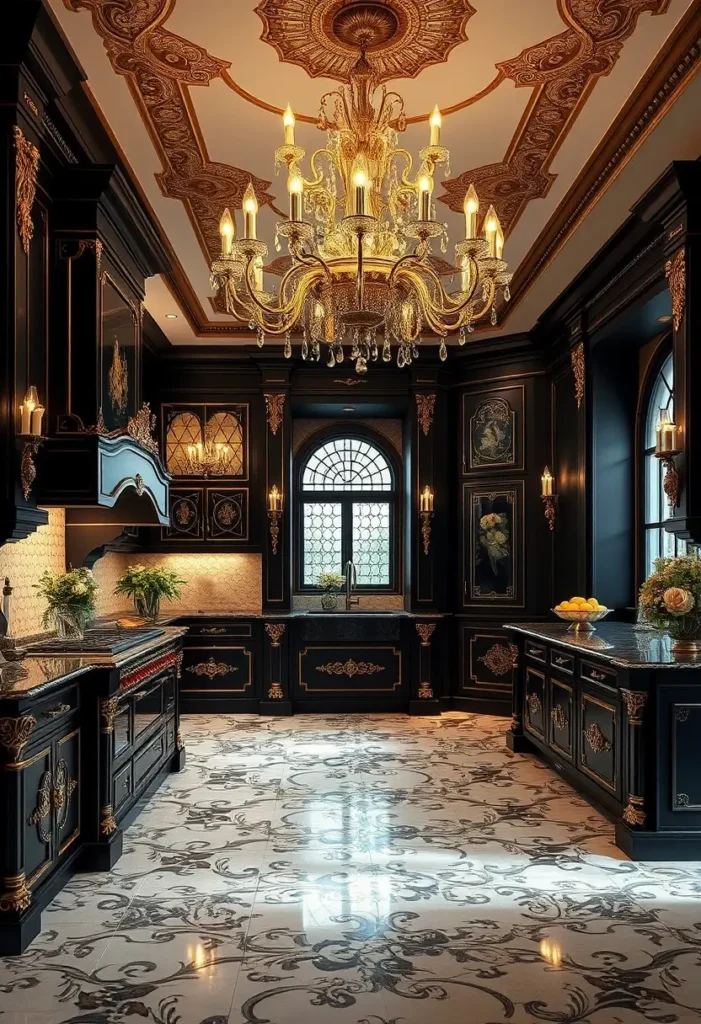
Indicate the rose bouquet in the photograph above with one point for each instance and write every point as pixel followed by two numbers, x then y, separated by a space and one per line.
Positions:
pixel 671 599
pixel 70 599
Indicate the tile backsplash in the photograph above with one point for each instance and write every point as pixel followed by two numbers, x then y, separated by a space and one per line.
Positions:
pixel 219 582
pixel 23 563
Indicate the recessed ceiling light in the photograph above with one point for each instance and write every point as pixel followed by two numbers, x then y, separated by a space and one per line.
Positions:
pixel 171 316
pixel 663 319
pixel 349 408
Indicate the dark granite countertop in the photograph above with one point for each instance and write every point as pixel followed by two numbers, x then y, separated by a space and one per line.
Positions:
pixel 35 676
pixel 190 613
pixel 616 642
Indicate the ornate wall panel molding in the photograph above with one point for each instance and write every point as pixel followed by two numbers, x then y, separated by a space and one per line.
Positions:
pixel 274 406
pixel 26 170
pixel 425 409
pixel 675 272
pixel 350 668
pixel 403 37
pixel 578 369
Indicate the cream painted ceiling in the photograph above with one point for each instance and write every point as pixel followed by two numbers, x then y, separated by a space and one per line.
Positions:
pixel 530 91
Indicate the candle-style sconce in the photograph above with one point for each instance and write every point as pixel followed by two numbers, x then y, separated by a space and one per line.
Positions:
pixel 548 497
pixel 666 450
pixel 426 515
pixel 31 415
pixel 275 509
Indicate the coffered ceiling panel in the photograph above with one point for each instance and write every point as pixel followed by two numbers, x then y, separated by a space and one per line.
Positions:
pixel 530 96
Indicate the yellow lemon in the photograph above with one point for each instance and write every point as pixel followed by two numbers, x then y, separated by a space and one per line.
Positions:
pixel 592 600
pixel 575 600
pixel 587 606
pixel 566 606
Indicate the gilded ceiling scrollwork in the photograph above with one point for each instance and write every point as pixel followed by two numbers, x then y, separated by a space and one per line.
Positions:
pixel 160 67
pixel 561 71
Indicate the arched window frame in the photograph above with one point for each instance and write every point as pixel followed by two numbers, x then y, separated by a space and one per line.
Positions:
pixel 655 540
pixel 346 498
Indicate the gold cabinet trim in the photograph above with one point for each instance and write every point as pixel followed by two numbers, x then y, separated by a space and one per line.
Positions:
pixel 527 724
pixel 232 669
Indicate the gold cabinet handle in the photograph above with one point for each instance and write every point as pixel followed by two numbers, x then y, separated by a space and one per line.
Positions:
pixel 560 660
pixel 56 710
pixel 598 675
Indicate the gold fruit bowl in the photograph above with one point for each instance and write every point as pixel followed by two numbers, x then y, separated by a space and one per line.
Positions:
pixel 582 621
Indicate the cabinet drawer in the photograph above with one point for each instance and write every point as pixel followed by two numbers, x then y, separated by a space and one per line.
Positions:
pixel 148 758
pixel 594 673
pixel 561 718
pixel 221 669
pixel 534 711
pixel 148 708
pixel 54 710
pixel 598 741
pixel 561 662
pixel 123 787
pixel 535 651
pixel 349 671
pixel 214 630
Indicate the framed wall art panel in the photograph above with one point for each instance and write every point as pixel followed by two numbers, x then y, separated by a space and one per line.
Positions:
pixel 493 544
pixel 493 429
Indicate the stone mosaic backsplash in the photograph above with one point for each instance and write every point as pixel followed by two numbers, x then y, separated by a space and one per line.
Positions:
pixel 24 562
pixel 220 582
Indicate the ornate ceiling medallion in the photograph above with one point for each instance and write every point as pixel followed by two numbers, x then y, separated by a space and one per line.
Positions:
pixel 403 36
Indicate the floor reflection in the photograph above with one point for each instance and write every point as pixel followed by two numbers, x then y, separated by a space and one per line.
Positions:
pixel 365 869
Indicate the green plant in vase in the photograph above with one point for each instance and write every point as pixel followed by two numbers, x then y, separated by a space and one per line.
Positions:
pixel 330 584
pixel 671 599
pixel 70 599
pixel 147 588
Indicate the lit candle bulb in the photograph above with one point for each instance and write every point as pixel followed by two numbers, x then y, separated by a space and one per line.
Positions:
pixel 250 209
pixel 295 186
pixel 274 499
pixel 31 401
pixel 493 233
pixel 471 207
pixel 288 121
pixel 360 184
pixel 666 433
pixel 427 499
pixel 37 416
pixel 425 189
pixel 227 232
pixel 435 123
pixel 547 483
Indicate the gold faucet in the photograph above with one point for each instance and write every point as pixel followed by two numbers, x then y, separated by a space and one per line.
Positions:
pixel 351 581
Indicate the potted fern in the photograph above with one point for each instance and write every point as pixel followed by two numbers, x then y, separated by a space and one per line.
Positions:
pixel 148 587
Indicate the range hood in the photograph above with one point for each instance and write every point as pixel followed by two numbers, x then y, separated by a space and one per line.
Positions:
pixel 104 483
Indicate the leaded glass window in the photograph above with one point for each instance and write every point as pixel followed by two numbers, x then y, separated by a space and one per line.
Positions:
pixel 659 543
pixel 348 513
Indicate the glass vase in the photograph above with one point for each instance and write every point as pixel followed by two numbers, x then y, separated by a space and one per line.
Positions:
pixel 69 625
pixel 148 606
pixel 329 601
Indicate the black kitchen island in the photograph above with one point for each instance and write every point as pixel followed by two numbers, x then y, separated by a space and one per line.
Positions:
pixel 619 716
pixel 82 739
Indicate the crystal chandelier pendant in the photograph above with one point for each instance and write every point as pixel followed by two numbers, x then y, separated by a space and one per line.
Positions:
pixel 359 237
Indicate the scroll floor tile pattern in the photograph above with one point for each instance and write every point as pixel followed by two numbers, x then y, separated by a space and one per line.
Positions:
pixel 369 870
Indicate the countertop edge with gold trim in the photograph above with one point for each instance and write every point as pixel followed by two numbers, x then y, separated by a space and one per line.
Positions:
pixel 617 643
pixel 35 676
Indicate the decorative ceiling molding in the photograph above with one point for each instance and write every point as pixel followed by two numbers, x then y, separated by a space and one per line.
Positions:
pixel 402 37
pixel 561 71
pixel 664 82
pixel 160 67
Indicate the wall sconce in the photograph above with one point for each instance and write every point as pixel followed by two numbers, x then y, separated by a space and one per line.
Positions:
pixel 549 499
pixel 275 507
pixel 31 413
pixel 666 450
pixel 426 515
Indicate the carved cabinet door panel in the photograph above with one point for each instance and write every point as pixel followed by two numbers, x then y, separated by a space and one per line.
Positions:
pixel 599 752
pixel 66 792
pixel 560 717
pixel 36 807
pixel 534 710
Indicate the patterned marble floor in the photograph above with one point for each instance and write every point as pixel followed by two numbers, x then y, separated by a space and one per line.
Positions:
pixel 365 870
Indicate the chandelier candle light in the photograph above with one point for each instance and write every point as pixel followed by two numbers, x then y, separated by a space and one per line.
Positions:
pixel 208 459
pixel 361 263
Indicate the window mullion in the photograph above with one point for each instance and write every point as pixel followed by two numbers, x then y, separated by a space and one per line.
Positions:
pixel 346 529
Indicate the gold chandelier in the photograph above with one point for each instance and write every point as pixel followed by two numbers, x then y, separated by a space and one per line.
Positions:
pixel 362 261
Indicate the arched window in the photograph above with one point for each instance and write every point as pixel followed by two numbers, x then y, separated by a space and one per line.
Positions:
pixel 347 511
pixel 658 542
